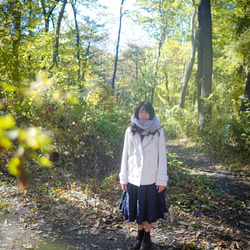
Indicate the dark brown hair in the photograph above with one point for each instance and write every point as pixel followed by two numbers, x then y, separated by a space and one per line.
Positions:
pixel 148 106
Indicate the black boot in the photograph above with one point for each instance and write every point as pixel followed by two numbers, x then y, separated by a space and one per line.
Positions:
pixel 139 238
pixel 146 243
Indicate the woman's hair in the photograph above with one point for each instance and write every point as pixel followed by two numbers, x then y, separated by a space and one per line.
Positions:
pixel 148 106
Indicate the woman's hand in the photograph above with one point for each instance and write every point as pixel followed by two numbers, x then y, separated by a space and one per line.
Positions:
pixel 160 188
pixel 124 187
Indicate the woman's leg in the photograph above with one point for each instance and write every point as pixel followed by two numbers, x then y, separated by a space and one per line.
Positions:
pixel 147 226
pixel 140 227
pixel 139 236
pixel 146 243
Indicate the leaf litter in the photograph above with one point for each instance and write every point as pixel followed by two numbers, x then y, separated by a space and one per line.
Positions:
pixel 51 216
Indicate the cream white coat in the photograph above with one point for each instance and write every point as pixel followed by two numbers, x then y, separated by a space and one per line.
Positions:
pixel 144 163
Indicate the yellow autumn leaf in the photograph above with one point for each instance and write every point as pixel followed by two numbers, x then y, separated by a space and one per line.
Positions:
pixel 13 166
pixel 45 161
pixel 9 87
pixel 5 142
pixel 6 122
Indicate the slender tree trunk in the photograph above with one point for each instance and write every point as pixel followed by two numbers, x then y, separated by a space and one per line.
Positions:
pixel 47 15
pixel 16 12
pixel 156 66
pixel 162 40
pixel 246 100
pixel 144 83
pixel 166 84
pixel 59 21
pixel 136 65
pixel 117 46
pixel 77 41
pixel 205 63
pixel 190 64
pixel 86 59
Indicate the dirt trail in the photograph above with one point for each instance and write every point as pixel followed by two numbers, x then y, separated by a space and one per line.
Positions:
pixel 26 224
pixel 234 186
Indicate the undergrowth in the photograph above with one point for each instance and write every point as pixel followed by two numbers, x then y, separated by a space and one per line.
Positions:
pixel 185 191
pixel 192 192
pixel 226 139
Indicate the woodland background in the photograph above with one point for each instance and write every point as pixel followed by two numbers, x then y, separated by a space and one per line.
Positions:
pixel 67 94
pixel 64 94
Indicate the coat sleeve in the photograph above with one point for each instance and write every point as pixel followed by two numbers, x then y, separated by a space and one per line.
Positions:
pixel 162 175
pixel 124 163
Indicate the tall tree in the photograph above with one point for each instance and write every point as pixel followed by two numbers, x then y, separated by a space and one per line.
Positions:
pixel 161 39
pixel 59 21
pixel 245 105
pixel 73 4
pixel 190 64
pixel 242 21
pixel 18 28
pixel 117 45
pixel 205 63
pixel 12 19
pixel 48 13
pixel 92 34
pixel 160 22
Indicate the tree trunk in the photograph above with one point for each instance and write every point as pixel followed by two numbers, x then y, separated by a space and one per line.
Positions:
pixel 17 20
pixel 59 21
pixel 205 63
pixel 246 100
pixel 47 15
pixel 86 59
pixel 117 46
pixel 77 41
pixel 166 84
pixel 162 40
pixel 190 64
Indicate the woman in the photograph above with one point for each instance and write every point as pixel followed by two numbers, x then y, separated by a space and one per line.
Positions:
pixel 143 174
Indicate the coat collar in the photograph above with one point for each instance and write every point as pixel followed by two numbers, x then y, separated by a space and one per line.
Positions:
pixel 141 144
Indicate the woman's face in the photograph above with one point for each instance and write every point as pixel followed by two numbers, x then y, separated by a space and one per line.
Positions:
pixel 143 114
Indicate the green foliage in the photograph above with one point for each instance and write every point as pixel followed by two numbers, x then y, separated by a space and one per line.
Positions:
pixel 178 123
pixel 224 132
pixel 72 101
pixel 6 122
pixel 240 127
pixel 25 143
pixel 159 18
pixel 189 190
pixel 87 129
pixel 238 203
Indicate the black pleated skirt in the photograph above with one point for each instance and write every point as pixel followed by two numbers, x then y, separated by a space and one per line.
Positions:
pixel 143 203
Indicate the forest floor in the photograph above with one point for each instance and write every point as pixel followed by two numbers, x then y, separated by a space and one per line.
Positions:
pixel 49 217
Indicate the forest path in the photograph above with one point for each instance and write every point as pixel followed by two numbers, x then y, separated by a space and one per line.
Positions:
pixel 73 220
pixel 233 185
